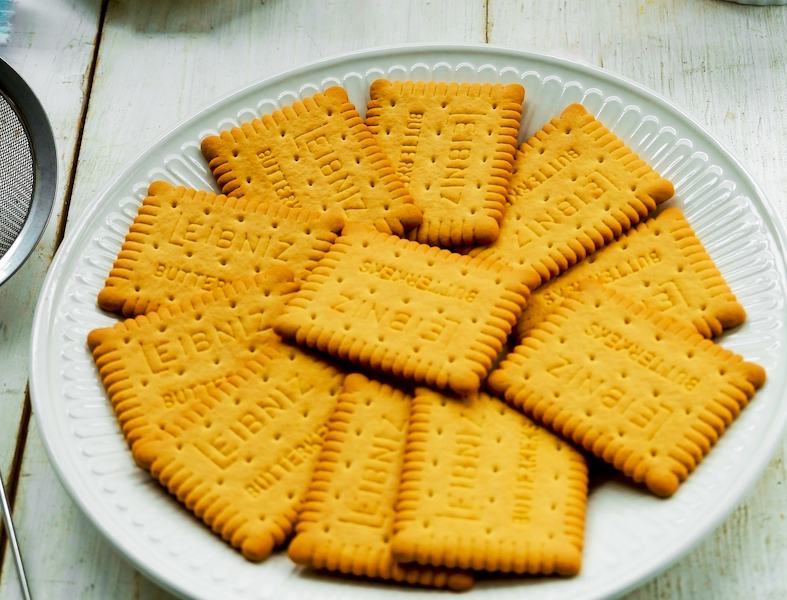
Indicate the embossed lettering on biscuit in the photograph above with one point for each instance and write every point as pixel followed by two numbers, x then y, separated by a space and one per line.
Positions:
pixel 346 521
pixel 640 390
pixel 166 357
pixel 484 488
pixel 662 264
pixel 184 242
pixel 453 144
pixel 240 455
pixel 575 188
pixel 407 309
pixel 317 154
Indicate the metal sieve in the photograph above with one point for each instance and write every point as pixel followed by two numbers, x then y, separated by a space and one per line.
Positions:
pixel 28 179
pixel 28 171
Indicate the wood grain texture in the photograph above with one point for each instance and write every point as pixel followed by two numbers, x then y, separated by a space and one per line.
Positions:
pixel 725 66
pixel 162 61
pixel 51 47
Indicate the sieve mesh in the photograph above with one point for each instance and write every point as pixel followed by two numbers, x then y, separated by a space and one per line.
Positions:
pixel 16 175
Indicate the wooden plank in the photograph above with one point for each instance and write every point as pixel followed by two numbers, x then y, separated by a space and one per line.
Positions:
pixel 157 65
pixel 724 64
pixel 51 47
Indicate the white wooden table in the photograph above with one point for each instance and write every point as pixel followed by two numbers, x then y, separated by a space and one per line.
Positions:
pixel 114 75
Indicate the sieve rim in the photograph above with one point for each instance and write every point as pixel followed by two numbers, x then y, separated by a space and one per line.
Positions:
pixel 44 157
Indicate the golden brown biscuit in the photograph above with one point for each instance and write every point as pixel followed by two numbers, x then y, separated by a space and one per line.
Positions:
pixel 453 144
pixel 640 390
pixel 575 187
pixel 240 454
pixel 185 242
pixel 411 310
pixel 317 154
pixel 484 488
pixel 166 358
pixel 660 263
pixel 346 521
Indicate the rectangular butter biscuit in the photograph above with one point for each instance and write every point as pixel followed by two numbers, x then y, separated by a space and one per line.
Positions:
pixel 638 389
pixel 163 359
pixel 316 153
pixel 484 488
pixel 185 242
pixel 411 310
pixel 660 263
pixel 240 454
pixel 575 188
pixel 453 144
pixel 346 521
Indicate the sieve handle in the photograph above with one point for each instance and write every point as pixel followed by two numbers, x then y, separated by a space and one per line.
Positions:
pixel 9 528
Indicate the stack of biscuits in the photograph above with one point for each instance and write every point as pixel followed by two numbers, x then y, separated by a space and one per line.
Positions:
pixel 391 342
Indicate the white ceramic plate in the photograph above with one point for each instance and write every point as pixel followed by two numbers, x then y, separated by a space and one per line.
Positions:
pixel 630 535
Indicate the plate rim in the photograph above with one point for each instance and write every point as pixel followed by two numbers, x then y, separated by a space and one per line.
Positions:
pixel 769 442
